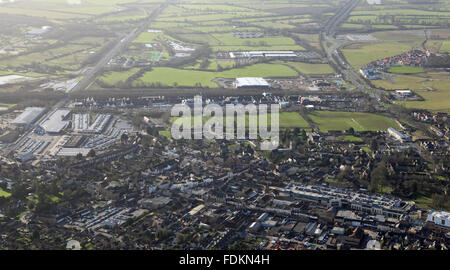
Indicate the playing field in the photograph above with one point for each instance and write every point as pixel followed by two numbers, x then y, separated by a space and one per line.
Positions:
pixel 328 120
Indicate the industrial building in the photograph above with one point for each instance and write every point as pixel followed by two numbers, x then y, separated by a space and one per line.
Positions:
pixel 28 117
pixel 398 135
pixel 251 82
pixel 255 54
pixel 54 124
pixel 81 123
pixel 71 152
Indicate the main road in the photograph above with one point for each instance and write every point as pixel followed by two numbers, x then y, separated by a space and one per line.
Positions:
pixel 333 55
pixel 90 73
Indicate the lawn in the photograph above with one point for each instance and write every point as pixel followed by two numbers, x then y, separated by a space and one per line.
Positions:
pixel 4 193
pixel 329 120
pixel 350 138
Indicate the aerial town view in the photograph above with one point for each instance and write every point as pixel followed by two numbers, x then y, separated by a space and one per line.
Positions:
pixel 212 125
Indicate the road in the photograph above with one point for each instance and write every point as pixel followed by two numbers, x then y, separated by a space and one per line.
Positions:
pixel 332 53
pixel 89 75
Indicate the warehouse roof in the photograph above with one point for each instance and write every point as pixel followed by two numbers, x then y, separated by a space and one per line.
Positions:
pixel 251 81
pixel 55 123
pixel 28 116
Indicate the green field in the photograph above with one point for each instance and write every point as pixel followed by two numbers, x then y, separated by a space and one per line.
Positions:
pixel 307 68
pixel 445 46
pixel 361 55
pixel 329 120
pixel 4 193
pixel 286 120
pixel 437 100
pixel 405 70
pixel 179 77
pixel 350 138
pixel 113 77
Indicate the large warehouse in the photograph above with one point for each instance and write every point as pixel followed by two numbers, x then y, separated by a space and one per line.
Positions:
pixel 55 123
pixel 251 82
pixel 28 117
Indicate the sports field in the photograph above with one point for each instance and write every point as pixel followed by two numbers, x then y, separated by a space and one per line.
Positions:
pixel 330 120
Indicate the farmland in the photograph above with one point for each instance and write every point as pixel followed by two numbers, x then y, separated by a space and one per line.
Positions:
pixel 181 28
pixel 359 55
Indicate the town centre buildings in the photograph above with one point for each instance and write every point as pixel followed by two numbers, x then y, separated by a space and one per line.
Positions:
pixel 356 200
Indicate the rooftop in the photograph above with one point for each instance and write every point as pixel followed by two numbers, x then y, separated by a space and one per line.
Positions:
pixel 28 116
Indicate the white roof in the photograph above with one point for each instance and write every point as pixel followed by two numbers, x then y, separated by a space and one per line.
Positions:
pixel 441 214
pixel 72 152
pixel 28 116
pixel 251 81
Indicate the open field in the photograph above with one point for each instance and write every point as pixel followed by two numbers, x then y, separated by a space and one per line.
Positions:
pixel 307 68
pixel 179 77
pixel 437 100
pixel 401 82
pixel 359 55
pixel 405 70
pixel 286 120
pixel 350 138
pixel 112 78
pixel 328 120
